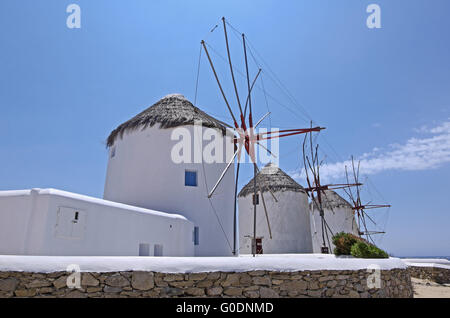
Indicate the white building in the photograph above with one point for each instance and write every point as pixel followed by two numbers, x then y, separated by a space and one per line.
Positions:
pixel 142 172
pixel 152 205
pixel 338 215
pixel 288 218
pixel 55 223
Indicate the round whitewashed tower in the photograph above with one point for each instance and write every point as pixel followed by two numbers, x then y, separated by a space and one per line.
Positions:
pixel 288 216
pixel 156 162
pixel 339 216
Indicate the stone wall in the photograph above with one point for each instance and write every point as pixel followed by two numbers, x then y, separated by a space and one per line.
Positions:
pixel 253 284
pixel 435 274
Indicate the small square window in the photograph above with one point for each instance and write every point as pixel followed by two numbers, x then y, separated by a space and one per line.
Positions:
pixel 158 250
pixel 257 199
pixel 144 249
pixel 190 178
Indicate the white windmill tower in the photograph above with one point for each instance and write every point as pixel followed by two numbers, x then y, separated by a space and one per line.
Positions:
pixel 339 215
pixel 282 219
pixel 142 171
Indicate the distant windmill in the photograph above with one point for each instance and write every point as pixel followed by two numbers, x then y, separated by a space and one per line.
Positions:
pixel 315 190
pixel 362 216
pixel 245 135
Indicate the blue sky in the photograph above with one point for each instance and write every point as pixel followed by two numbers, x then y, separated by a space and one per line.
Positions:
pixel 63 90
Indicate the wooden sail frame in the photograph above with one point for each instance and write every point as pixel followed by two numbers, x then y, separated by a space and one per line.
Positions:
pixel 359 208
pixel 315 190
pixel 245 133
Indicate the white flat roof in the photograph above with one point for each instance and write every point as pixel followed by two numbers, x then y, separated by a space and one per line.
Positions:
pixel 243 263
pixel 428 262
pixel 88 199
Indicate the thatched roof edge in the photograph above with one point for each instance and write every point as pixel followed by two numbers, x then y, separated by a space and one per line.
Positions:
pixel 169 112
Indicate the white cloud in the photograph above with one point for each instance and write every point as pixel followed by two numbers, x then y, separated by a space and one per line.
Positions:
pixel 442 129
pixel 415 154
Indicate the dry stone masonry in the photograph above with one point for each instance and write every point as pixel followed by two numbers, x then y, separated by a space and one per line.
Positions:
pixel 252 284
pixel 435 274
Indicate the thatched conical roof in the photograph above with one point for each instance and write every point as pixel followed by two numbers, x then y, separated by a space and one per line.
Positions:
pixel 332 200
pixel 273 178
pixel 171 111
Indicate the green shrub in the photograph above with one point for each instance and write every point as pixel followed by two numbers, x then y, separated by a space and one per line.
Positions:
pixel 343 243
pixel 365 250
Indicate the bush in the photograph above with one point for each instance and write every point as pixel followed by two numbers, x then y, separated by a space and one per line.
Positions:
pixel 365 250
pixel 343 243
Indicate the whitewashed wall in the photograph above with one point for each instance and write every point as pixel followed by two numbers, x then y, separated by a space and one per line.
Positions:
pixel 340 219
pixel 143 174
pixel 42 222
pixel 289 221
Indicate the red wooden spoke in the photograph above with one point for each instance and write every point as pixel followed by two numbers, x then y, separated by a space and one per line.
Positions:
pixel 371 206
pixel 331 187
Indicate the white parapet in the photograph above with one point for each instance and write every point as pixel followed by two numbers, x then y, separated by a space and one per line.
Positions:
pixel 53 222
pixel 244 263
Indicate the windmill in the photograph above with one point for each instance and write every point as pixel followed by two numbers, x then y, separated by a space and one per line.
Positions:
pixel 315 190
pixel 245 135
pixel 359 208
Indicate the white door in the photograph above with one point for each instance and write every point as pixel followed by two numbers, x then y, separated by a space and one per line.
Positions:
pixel 70 223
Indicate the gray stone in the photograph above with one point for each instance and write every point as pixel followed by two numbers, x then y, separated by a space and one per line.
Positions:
pixel 93 289
pixel 37 283
pixel 88 280
pixel 197 276
pixel 233 291
pixel 9 284
pixel 172 291
pixel 173 277
pixel 262 281
pixel 313 285
pixel 231 280
pixel 60 282
pixel 55 274
pixel 182 284
pixel 25 292
pixel 142 280
pixel 110 289
pixel 130 294
pixel 205 283
pixel 214 275
pixel 117 280
pixel 251 294
pixel 353 294
pixel 256 273
pixel 265 292
pixel 332 284
pixel 245 279
pixel 314 293
pixel 194 291
pixel 75 294
pixel 45 290
pixel 295 285
pixel 277 281
pixel 364 295
pixel 214 291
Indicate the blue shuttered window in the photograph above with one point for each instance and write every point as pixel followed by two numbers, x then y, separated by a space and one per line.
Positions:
pixel 190 178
